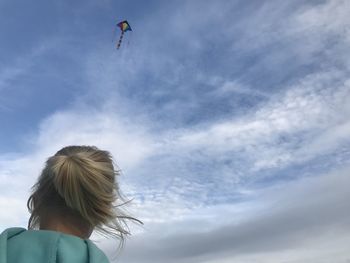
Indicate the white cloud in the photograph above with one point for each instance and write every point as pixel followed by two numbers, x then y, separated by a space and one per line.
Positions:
pixel 328 18
pixel 236 88
pixel 308 120
pixel 293 222
pixel 127 141
pixel 13 210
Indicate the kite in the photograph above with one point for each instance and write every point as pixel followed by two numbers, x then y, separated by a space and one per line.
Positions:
pixel 124 27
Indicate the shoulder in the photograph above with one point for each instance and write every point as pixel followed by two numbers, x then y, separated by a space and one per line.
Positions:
pixel 9 233
pixel 12 231
pixel 48 246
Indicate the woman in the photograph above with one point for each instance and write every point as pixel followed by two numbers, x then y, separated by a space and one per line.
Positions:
pixel 74 195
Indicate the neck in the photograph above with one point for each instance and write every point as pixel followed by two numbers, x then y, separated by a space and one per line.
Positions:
pixel 66 225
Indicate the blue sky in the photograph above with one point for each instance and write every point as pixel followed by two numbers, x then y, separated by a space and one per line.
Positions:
pixel 229 119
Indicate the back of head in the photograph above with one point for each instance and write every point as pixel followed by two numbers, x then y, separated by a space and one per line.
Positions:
pixel 80 182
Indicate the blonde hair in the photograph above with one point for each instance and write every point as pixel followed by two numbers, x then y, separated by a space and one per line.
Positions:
pixel 81 181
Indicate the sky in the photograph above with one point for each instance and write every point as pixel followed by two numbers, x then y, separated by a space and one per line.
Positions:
pixel 230 120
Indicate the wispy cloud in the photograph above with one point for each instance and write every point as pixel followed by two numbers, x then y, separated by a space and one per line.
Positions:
pixel 303 214
pixel 287 129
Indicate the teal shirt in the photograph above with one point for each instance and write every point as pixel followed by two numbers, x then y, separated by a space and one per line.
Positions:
pixel 17 245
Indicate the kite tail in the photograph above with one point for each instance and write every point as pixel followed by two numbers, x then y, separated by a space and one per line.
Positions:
pixel 120 40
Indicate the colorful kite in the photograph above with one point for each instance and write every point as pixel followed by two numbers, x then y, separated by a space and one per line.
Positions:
pixel 124 26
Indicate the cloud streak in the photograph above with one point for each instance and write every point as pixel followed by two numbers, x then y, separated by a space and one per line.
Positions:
pixel 307 213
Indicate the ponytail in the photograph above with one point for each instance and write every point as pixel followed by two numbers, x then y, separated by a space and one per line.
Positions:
pixel 82 179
